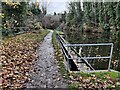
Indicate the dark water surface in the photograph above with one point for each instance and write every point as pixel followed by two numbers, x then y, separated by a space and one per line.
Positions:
pixel 90 38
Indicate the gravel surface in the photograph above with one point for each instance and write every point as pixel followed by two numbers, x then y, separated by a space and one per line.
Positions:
pixel 46 73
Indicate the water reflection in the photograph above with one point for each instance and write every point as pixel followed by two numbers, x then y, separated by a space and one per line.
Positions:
pixel 76 37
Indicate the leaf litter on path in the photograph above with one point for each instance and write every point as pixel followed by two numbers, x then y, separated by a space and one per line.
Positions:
pixel 17 55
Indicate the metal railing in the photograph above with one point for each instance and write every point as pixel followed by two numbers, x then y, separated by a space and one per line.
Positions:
pixel 84 59
pixel 99 57
pixel 70 64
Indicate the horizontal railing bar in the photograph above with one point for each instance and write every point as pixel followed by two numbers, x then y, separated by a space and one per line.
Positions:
pixel 65 44
pixel 65 53
pixel 96 57
pixel 63 48
pixel 85 61
pixel 100 44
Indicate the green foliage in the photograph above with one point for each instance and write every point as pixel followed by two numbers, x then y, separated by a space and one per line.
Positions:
pixel 4 32
pixel 17 15
pixel 14 15
pixel 118 34
pixel 75 14
pixel 117 19
pixel 94 14
pixel 64 16
pixel 35 9
pixel 102 13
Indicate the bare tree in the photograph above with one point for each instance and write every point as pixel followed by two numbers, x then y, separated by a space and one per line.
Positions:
pixel 44 6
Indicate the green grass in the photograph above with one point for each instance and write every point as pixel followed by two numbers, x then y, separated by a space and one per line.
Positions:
pixel 75 85
pixel 111 74
pixel 60 32
pixel 101 75
pixel 59 56
pixel 55 44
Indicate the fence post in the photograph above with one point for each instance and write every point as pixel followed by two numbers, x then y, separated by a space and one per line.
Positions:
pixel 110 57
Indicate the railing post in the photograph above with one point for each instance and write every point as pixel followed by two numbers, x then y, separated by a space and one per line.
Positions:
pixel 65 48
pixel 110 57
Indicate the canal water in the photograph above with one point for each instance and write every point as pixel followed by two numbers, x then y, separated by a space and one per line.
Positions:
pixel 96 51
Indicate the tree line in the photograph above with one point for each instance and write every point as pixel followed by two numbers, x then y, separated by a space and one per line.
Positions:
pixel 98 14
pixel 15 14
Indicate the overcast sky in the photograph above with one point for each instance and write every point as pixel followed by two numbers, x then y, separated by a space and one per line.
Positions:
pixel 57 6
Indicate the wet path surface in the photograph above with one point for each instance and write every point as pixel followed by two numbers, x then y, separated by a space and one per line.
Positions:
pixel 46 73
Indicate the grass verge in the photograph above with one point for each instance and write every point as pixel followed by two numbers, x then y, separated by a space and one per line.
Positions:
pixel 96 80
pixel 59 56
pixel 84 81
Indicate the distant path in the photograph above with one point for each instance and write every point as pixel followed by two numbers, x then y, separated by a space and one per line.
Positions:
pixel 47 74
